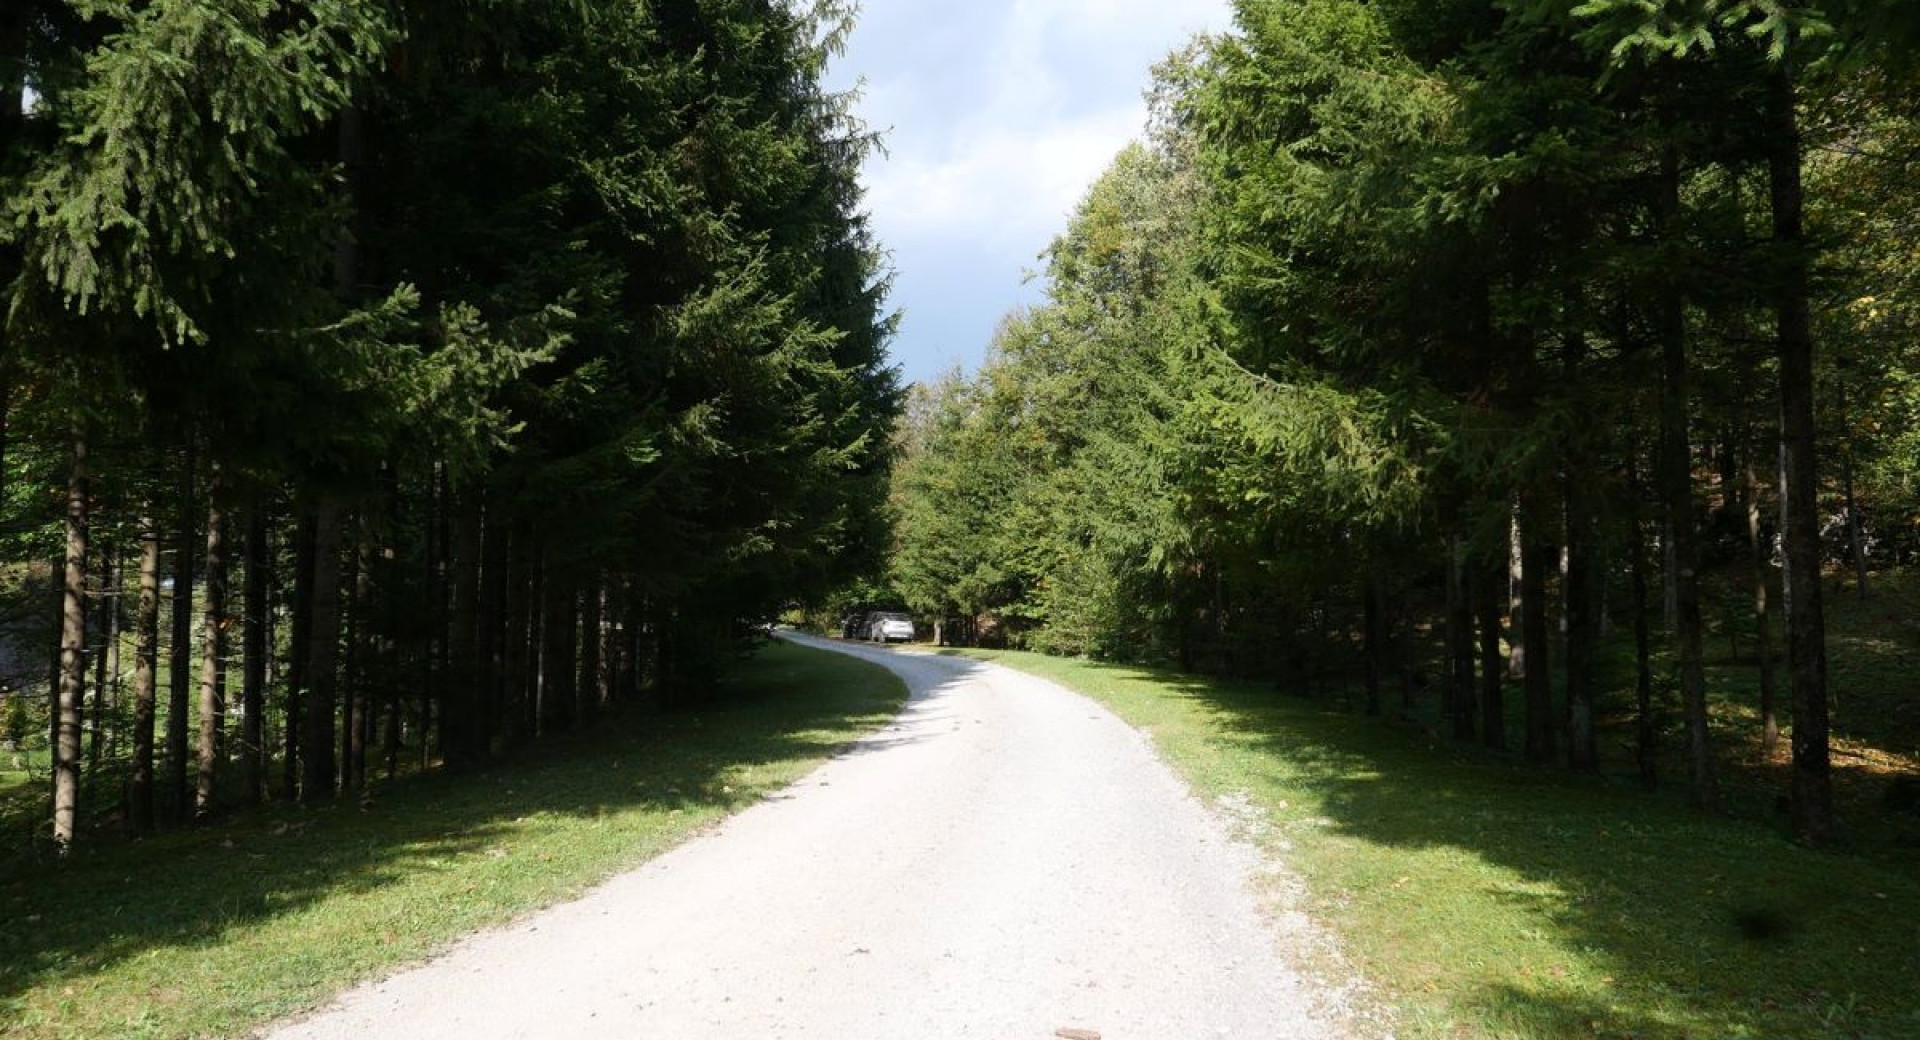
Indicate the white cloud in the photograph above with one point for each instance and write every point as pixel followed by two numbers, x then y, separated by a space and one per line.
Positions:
pixel 1005 187
pixel 1046 98
pixel 999 114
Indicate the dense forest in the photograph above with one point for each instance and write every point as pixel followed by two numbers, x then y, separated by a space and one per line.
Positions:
pixel 1492 366
pixel 389 384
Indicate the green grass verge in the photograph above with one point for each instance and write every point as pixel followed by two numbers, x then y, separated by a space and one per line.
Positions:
pixel 208 933
pixel 1484 899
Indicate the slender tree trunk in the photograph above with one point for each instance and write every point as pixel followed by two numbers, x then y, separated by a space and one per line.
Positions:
pixel 116 596
pixel 495 547
pixel 213 639
pixel 73 640
pixel 445 670
pixel 1646 727
pixel 253 682
pixel 537 688
pixel 556 684
pixel 358 664
pixel 516 655
pixel 317 765
pixel 390 735
pixel 591 687
pixel 146 666
pixel 636 616
pixel 1375 644
pixel 614 646
pixel 1536 558
pixel 1732 488
pixel 1812 791
pixel 299 652
pixel 1677 480
pixel 1487 589
pixel 180 653
pixel 1516 602
pixel 1583 752
pixel 1762 613
pixel 371 673
pixel 101 713
pixel 6 425
pixel 1669 570
pixel 1460 641
pixel 1856 525
pixel 458 725
pixel 55 636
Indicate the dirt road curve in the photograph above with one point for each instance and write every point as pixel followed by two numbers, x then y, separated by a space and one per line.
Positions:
pixel 1007 861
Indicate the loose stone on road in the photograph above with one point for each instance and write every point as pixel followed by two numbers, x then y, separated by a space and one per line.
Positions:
pixel 1007 860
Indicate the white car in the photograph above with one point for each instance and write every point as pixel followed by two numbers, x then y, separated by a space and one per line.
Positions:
pixel 886 628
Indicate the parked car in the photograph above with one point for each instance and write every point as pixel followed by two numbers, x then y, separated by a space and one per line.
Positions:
pixel 854 626
pixel 888 627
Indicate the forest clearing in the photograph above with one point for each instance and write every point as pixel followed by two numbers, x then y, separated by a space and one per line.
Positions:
pixel 1430 546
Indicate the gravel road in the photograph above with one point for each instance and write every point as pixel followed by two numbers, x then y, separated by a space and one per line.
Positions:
pixel 1007 861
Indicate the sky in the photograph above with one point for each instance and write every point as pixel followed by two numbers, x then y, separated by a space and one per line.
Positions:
pixel 997 115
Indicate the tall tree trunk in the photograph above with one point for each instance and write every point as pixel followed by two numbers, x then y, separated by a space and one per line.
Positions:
pixel 1583 752
pixel 1762 614
pixel 390 734
pixel 1812 791
pixel 444 670
pixel 1516 601
pixel 6 425
pixel 591 690
pixel 1537 554
pixel 1375 643
pixel 494 549
pixel 1460 642
pixel 358 663
pixel 253 682
pixel 1669 568
pixel 614 641
pixel 73 646
pixel 317 764
pixel 146 667
pixel 15 37
pixel 299 652
pixel 458 724
pixel 100 711
pixel 634 623
pixel 1677 481
pixel 116 597
pixel 1646 726
pixel 516 655
pixel 180 653
pixel 1856 525
pixel 1490 583
pixel 1733 490
pixel 556 682
pixel 370 672
pixel 213 640
pixel 537 690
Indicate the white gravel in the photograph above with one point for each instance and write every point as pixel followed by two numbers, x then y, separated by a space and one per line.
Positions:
pixel 1007 861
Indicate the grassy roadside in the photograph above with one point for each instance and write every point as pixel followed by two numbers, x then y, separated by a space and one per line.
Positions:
pixel 1483 899
pixel 206 934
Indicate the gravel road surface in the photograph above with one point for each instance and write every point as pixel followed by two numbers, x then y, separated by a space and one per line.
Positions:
pixel 1007 861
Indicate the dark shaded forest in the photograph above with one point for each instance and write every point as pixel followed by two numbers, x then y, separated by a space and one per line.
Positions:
pixel 386 385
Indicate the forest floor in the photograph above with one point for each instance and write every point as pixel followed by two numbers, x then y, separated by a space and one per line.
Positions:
pixel 208 932
pixel 1482 898
pixel 1873 673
